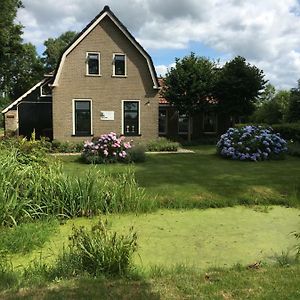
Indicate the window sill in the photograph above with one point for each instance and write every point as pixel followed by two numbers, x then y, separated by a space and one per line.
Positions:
pixel 119 76
pixel 131 135
pixel 82 135
pixel 93 75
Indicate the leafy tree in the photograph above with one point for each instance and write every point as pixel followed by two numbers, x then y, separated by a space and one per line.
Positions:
pixel 293 113
pixel 28 70
pixel 55 48
pixel 267 94
pixel 189 84
pixel 273 110
pixel 10 41
pixel 238 86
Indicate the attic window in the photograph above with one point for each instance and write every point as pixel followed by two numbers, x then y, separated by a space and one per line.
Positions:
pixel 119 65
pixel 93 64
pixel 46 90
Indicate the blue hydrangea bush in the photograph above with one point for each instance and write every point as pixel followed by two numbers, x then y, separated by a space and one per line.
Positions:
pixel 108 148
pixel 252 143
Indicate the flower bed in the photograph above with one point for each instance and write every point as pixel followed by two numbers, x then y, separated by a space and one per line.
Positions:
pixel 106 149
pixel 253 143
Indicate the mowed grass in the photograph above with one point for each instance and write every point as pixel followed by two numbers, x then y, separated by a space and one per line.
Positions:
pixel 196 238
pixel 177 283
pixel 203 179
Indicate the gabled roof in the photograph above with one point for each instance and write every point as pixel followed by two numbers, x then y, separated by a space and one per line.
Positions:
pixel 106 12
pixel 25 95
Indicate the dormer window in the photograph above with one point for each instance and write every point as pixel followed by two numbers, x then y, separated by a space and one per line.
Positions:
pixel 93 63
pixel 119 64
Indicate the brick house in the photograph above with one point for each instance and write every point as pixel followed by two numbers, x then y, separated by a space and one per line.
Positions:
pixel 105 81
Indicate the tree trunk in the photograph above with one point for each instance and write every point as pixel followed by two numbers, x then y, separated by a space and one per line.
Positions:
pixel 190 129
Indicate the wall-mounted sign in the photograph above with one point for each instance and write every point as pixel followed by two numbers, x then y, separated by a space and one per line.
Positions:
pixel 107 115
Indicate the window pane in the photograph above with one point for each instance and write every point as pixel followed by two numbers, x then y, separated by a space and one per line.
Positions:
pixel 210 122
pixel 119 64
pixel 130 106
pixel 183 124
pixel 82 105
pixel 82 118
pixel 93 64
pixel 131 118
pixel 162 121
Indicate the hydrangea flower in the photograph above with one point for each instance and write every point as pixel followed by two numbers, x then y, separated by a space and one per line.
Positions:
pixel 253 143
pixel 107 148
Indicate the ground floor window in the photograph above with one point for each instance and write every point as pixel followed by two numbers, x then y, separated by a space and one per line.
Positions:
pixel 131 112
pixel 82 118
pixel 210 122
pixel 183 124
pixel 162 118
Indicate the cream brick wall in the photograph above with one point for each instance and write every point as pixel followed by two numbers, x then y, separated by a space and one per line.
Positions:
pixel 11 121
pixel 106 92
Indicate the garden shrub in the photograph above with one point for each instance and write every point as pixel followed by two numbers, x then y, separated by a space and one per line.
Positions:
pixel 252 143
pixel 289 131
pixel 137 153
pixel 96 251
pixel 106 149
pixel 27 151
pixel 294 148
pixel 161 144
pixel 66 147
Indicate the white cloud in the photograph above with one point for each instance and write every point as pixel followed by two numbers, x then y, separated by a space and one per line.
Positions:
pixel 266 32
pixel 161 70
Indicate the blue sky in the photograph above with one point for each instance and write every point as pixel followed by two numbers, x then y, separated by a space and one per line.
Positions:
pixel 266 33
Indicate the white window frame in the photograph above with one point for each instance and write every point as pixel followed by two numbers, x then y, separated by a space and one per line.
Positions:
pixel 73 114
pixel 203 125
pixel 41 90
pixel 87 63
pixel 125 60
pixel 122 118
pixel 166 127
pixel 183 132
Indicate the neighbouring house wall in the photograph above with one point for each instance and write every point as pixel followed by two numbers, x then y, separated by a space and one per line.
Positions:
pixel 222 124
pixel 106 92
pixel 11 122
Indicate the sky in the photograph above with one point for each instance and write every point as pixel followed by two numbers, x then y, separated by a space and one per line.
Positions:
pixel 265 32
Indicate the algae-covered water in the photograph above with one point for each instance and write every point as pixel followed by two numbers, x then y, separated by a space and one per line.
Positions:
pixel 203 238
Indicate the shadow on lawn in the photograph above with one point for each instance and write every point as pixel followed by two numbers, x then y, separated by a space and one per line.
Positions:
pixel 91 289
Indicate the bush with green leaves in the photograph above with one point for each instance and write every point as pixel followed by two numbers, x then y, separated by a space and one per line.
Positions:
pixel 137 153
pixel 66 147
pixel 161 144
pixel 97 251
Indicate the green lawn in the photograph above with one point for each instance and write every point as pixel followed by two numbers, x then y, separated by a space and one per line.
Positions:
pixel 179 283
pixel 205 180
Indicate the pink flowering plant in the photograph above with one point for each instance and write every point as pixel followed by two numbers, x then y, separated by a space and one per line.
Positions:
pixel 108 148
pixel 252 143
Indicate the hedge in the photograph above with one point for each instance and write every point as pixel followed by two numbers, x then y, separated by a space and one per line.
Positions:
pixel 289 131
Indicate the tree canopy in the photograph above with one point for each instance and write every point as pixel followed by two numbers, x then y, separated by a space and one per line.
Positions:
pixel 190 83
pixel 55 48
pixel 238 86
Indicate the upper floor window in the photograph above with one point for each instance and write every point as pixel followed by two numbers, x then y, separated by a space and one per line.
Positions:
pixel 93 63
pixel 119 65
pixel 45 90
